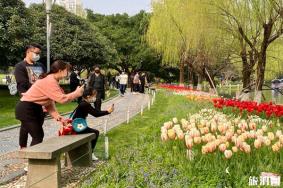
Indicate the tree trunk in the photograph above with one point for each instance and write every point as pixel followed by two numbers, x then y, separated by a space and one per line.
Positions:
pixel 260 71
pixel 181 77
pixel 195 80
pixel 260 77
pixel 190 76
pixel 246 71
pixel 262 61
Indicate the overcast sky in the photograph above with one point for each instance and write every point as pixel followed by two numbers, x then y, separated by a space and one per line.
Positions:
pixel 111 6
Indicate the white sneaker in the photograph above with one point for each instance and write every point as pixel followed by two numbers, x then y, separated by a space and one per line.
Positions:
pixel 26 169
pixel 94 158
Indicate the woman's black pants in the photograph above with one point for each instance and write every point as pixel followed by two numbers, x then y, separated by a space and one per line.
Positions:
pixel 31 116
pixel 90 130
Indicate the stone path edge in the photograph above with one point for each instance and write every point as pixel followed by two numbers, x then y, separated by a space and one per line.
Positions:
pixel 48 117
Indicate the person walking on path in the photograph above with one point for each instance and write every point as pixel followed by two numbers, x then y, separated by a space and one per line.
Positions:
pixel 143 82
pixel 97 82
pixel 85 108
pixel 29 70
pixel 123 80
pixel 131 81
pixel 75 82
pixel 43 93
pixel 117 81
pixel 136 82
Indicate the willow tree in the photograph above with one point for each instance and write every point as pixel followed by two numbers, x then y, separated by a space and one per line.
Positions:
pixel 274 67
pixel 166 34
pixel 258 23
pixel 185 32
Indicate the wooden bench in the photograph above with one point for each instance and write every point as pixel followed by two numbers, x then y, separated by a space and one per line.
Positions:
pixel 44 167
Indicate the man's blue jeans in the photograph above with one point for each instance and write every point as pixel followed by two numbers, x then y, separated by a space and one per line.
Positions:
pixel 123 88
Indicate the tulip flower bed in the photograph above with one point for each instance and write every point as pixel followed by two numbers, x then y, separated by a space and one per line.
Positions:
pixel 189 93
pixel 175 87
pixel 200 96
pixel 139 158
pixel 263 109
pixel 218 132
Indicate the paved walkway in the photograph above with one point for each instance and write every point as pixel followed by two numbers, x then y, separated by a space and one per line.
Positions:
pixel 9 139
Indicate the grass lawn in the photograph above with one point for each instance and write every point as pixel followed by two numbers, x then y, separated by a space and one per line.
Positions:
pixel 138 157
pixel 8 103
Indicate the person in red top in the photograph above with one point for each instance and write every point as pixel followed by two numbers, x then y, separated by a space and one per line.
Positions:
pixel 43 93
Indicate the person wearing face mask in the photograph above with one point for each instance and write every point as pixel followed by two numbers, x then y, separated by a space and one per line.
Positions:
pixel 75 81
pixel 85 108
pixel 97 82
pixel 29 70
pixel 43 93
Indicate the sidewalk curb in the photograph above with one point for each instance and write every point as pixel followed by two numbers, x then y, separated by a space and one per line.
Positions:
pixel 12 176
pixel 48 117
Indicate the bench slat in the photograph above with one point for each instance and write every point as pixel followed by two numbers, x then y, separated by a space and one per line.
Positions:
pixel 52 147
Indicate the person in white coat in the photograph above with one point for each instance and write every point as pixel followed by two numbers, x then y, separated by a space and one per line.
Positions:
pixel 123 81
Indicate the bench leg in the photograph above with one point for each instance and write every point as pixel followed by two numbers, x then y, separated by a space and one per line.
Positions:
pixel 80 156
pixel 44 173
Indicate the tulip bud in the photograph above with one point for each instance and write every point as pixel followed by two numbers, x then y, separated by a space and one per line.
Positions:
pixel 175 120
pixel 164 137
pixel 257 143
pixel 228 154
pixel 234 149
pixel 222 147
pixel 197 140
pixel 270 136
pixel 264 128
pixel 278 133
pixel 171 134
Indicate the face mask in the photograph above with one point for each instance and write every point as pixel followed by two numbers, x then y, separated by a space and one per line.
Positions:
pixel 68 75
pixel 92 100
pixel 35 57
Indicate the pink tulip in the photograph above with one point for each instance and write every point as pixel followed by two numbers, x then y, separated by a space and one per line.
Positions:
pixel 275 147
pixel 252 125
pixel 252 134
pixel 175 120
pixel 257 143
pixel 247 148
pixel 281 139
pixel 181 135
pixel 228 154
pixel 206 130
pixel 270 136
pixel 259 132
pixel 168 125
pixel 278 133
pixel 204 150
pixel 213 127
pixel 264 128
pixel 189 141
pixel 267 142
pixel 229 135
pixel 234 149
pixel 197 140
pixel 222 147
pixel 164 137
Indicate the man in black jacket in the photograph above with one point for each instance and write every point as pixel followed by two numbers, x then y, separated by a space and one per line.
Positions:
pixel 26 73
pixel 97 82
pixel 29 70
